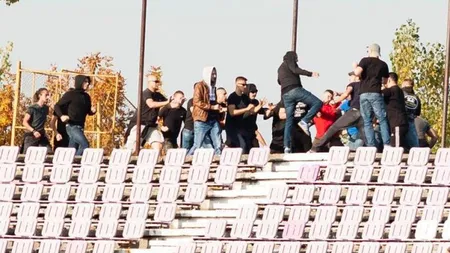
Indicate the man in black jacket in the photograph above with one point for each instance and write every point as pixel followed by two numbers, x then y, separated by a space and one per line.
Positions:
pixel 78 104
pixel 413 109
pixel 293 92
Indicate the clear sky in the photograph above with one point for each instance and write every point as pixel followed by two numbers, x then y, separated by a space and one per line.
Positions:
pixel 239 37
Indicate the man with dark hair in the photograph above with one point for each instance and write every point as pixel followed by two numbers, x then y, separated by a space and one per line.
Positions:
pixel 373 72
pixel 252 127
pixel 78 104
pixel 396 110
pixel 423 130
pixel 325 118
pixel 61 139
pixel 413 109
pixel 34 122
pixel 350 118
pixel 239 108
pixel 152 101
pixel 293 92
pixel 173 115
pixel 205 111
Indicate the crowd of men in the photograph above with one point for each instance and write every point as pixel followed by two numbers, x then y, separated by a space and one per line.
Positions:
pixel 372 111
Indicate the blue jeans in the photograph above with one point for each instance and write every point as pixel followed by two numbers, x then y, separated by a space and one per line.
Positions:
pixel 291 99
pixel 355 141
pixel 187 138
pixel 411 138
pixel 201 129
pixel 373 103
pixel 77 139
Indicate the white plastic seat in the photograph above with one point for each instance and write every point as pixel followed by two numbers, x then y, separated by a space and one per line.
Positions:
pixel 406 214
pixel 5 214
pixel 432 213
pixel 400 230
pixel 267 229
pixel 418 156
pixel 110 211
pixel 395 247
pixel 317 247
pixel 289 247
pixel 293 230
pixel 92 156
pixel 203 157
pixel 338 155
pixel 3 245
pixel 25 227
pixel 389 174
pixel 383 195
pixel 365 156
pixel 148 157
pixel 373 231
pixel 215 228
pixel 442 157
pixel 308 173
pixel 168 193
pixel 212 247
pixel 443 247
pixel 86 192
pixel 22 246
pixel 55 211
pixel 7 172
pixel 263 247
pixel 28 210
pixel 303 194
pixel 143 173
pixel 81 220
pixel 356 195
pixel 7 192
pixel 415 174
pixel 422 248
pixel 8 154
pixel 446 230
pixel 230 156
pixel 113 192
pixel 195 193
pixel 120 157
pixel 379 214
pixel 76 246
pixel 52 228
pixel 258 157
pixel 437 196
pixel 273 213
pixel 441 175
pixel 35 155
pixel 198 174
pixel 392 156
pixel 175 157
pixel 170 175
pixel 50 246
pixel 32 173
pixel 104 247
pixel 247 212
pixel 225 174
pixel 116 174
pixel 233 247
pixel 369 247
pixel 133 229
pixel 299 213
pixel 140 193
pixel 277 193
pixel 137 212
pixel 335 173
pixel 88 173
pixel 410 196
pixel 361 174
pixel 63 156
pixel 352 213
pixel 31 192
pixel 165 212
pixel 330 194
pixel 342 247
pixel 320 230
pixel 326 213
pixel 241 229
pixel 426 229
pixel 61 173
pixel 106 228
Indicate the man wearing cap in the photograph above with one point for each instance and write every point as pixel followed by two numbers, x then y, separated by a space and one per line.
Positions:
pixel 252 127
pixel 351 118
pixel 373 72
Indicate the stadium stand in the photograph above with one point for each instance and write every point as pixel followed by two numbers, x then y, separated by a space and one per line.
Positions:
pixel 324 202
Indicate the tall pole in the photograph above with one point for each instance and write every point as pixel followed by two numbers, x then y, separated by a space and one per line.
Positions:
pixel 141 76
pixel 446 82
pixel 294 26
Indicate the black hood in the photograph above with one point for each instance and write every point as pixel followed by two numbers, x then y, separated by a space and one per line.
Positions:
pixel 79 80
pixel 408 90
pixel 290 57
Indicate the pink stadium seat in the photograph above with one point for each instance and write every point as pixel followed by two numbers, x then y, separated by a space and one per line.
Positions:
pixel 293 230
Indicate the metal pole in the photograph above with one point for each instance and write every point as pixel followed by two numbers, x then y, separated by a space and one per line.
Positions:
pixel 446 82
pixel 294 26
pixel 141 76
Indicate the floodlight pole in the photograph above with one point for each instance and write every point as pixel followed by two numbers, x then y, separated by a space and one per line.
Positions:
pixel 446 83
pixel 141 76
pixel 294 26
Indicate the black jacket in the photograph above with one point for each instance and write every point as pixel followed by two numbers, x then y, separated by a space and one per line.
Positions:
pixel 289 73
pixel 77 102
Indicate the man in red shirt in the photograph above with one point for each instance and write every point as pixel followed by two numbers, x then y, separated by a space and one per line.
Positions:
pixel 327 115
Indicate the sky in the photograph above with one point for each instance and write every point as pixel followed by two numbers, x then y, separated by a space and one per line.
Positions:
pixel 239 37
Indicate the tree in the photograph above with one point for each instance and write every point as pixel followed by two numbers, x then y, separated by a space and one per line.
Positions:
pixel 424 63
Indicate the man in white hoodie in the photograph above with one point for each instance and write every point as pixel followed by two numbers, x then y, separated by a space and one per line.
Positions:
pixel 205 111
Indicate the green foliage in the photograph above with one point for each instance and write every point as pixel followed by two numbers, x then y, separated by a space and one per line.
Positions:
pixel 424 63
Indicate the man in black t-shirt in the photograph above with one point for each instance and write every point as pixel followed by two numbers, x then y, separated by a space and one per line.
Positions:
pixel 373 72
pixel 396 110
pixel 239 106
pixel 350 118
pixel 173 115
pixel 187 135
pixel 152 101
pixel 251 119
pixel 413 109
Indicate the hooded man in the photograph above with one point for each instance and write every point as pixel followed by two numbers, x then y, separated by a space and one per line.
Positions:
pixel 77 104
pixel 293 92
pixel 206 111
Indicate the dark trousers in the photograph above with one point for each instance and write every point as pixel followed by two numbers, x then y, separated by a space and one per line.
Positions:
pixel 351 118
pixel 403 131
pixel 30 141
